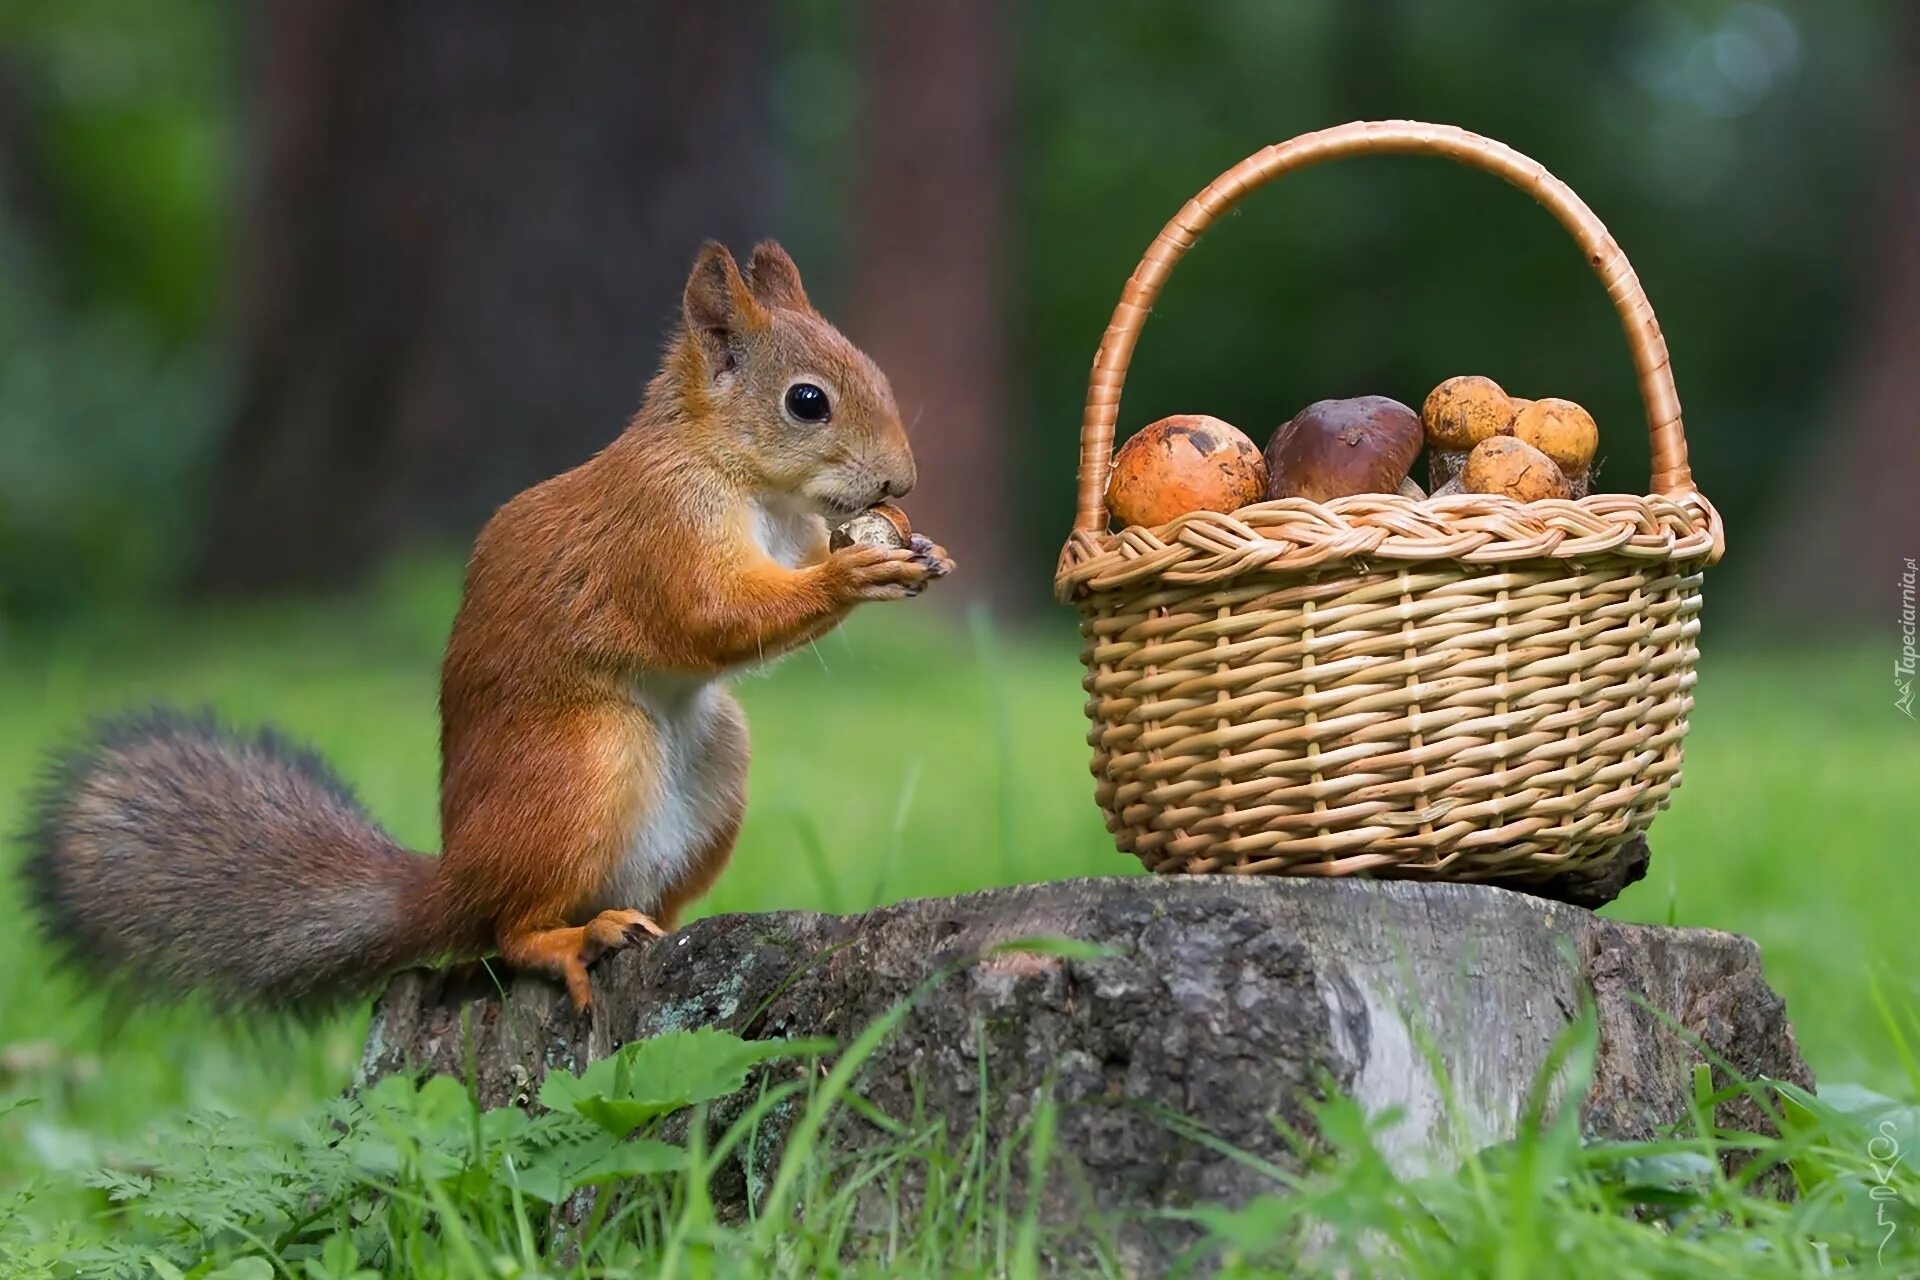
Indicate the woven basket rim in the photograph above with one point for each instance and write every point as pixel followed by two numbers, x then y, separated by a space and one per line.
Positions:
pixel 1207 548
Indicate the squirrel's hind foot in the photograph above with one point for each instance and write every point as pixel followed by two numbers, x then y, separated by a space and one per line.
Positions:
pixel 567 953
pixel 614 930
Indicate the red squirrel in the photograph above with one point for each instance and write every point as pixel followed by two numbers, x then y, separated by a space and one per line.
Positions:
pixel 593 763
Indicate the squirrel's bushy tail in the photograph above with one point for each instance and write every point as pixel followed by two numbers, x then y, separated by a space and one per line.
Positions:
pixel 180 857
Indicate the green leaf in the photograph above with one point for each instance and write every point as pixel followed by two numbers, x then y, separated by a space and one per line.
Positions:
pixel 652 1078
pixel 395 1093
pixel 1257 1225
pixel 1026 1249
pixel 1858 1103
pixel 558 1171
pixel 244 1269
pixel 1677 1171
pixel 338 1260
pixel 1066 948
pixel 502 1125
pixel 1801 1111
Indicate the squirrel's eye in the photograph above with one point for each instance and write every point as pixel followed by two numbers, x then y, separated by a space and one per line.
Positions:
pixel 807 402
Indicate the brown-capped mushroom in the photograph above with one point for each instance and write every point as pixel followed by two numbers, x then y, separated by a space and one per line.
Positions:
pixel 1334 448
pixel 1188 462
pixel 1511 467
pixel 883 525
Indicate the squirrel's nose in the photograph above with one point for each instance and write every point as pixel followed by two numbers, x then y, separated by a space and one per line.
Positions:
pixel 899 477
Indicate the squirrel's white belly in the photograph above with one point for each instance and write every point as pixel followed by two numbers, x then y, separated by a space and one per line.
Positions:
pixel 789 535
pixel 691 798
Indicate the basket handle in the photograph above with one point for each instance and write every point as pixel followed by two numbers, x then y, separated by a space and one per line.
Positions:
pixel 1671 475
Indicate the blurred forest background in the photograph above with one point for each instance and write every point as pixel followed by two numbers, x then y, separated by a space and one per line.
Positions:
pixel 290 289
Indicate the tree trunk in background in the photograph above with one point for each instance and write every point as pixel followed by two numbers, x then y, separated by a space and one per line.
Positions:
pixel 25 200
pixel 928 248
pixel 1849 514
pixel 466 236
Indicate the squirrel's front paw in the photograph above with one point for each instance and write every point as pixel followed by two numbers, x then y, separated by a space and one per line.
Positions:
pixel 931 554
pixel 864 573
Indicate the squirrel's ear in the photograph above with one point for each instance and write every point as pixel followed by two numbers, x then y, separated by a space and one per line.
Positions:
pixel 774 279
pixel 718 306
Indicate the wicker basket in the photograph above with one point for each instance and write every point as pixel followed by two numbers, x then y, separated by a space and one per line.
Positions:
pixel 1464 688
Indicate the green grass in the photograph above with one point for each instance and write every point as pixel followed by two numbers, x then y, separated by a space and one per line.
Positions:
pixel 910 756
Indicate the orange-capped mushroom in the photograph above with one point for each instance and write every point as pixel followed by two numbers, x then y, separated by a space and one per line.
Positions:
pixel 1560 429
pixel 1513 468
pixel 1188 462
pixel 1461 412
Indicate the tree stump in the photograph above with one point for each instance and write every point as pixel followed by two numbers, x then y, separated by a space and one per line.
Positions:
pixel 1233 1002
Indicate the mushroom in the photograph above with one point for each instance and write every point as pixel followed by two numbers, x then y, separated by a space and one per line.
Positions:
pixel 1461 412
pixel 1410 488
pixel 1334 448
pixel 1457 415
pixel 1188 462
pixel 883 525
pixel 1513 468
pixel 1564 432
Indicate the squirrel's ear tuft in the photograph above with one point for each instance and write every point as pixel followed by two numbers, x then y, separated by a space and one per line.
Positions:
pixel 774 279
pixel 718 306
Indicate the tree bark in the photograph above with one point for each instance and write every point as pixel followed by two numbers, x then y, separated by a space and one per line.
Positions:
pixel 928 302
pixel 1230 1002
pixel 1848 516
pixel 466 236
